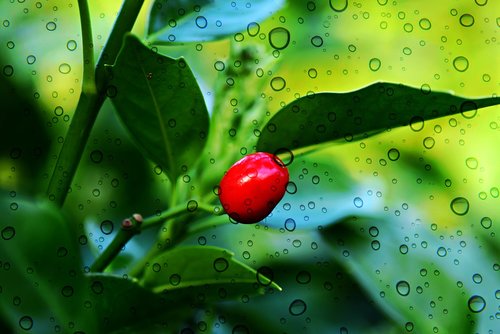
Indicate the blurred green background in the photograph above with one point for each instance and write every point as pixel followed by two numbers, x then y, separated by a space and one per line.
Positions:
pixel 347 282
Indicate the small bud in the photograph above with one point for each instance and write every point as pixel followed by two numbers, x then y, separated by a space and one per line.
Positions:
pixel 138 218
pixel 127 224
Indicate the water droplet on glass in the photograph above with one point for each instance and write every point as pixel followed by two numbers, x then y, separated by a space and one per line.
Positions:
pixel 220 264
pixel 403 249
pixel 8 70
pixel 429 142
pixel 192 205
pixel 317 41
pixel 375 244
pixel 31 59
pixel 107 227
pixel 219 65
pixel 373 231
pixel 279 38
pixel 312 73
pixel 297 307
pixel 416 123
pixel 358 202
pixel 424 23
pixel 338 5
pixel 201 22
pixel 476 304
pixel 26 323
pixel 8 232
pixel 467 20
pixel 175 279
pixel 461 63
pixel 64 68
pixel 441 252
pixel 477 278
pixel 96 156
pixel 290 224
pixel 253 29
pixel 156 267
pixel 374 64
pixel 303 277
pixel 486 222
pixel 278 83
pixel 51 26
pixel 459 206
pixel 393 154
pixel 71 45
pixel 67 291
pixel 403 288
pixel 472 163
pixel 97 287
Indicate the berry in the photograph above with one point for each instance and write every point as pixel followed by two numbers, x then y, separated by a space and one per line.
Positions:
pixel 253 186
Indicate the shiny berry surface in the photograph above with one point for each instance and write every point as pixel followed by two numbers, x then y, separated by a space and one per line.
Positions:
pixel 253 186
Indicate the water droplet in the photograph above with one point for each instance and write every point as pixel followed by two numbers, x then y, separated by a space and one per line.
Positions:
pixel 96 156
pixel 71 45
pixel 375 244
pixel 51 26
pixel 416 123
pixel 477 278
pixel 201 22
pixel 175 279
pixel 220 264
pixel 476 304
pixel 459 206
pixel 297 307
pixel 253 29
pixel 303 277
pixel 338 5
pixel 291 187
pixel 358 202
pixel 403 249
pixel 441 252
pixel 317 41
pixel 373 231
pixel 408 27
pixel 26 323
pixel 290 224
pixel 279 38
pixel 424 23
pixel 374 64
pixel 409 326
pixel 192 205
pixel 8 232
pixel 407 51
pixel 64 68
pixel 472 163
pixel 265 275
pixel 8 70
pixel 278 83
pixel 429 142
pixel 31 59
pixel 11 44
pixel 67 291
pixel 107 227
pixel 486 222
pixel 393 154
pixel 467 20
pixel 97 287
pixel 403 288
pixel 461 63
pixel 312 73
pixel 219 65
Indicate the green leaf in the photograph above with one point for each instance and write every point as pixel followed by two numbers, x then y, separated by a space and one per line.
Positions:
pixel 422 286
pixel 161 105
pixel 203 273
pixel 123 306
pixel 42 286
pixel 204 20
pixel 323 117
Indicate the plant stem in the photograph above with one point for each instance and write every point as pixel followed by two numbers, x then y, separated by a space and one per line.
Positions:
pixel 126 233
pixel 92 96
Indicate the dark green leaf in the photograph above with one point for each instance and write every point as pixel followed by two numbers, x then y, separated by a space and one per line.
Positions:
pixel 322 117
pixel 204 20
pixel 41 279
pixel 123 306
pixel 420 285
pixel 161 105
pixel 205 273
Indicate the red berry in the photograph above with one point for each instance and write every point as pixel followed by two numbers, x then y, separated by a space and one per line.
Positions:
pixel 253 186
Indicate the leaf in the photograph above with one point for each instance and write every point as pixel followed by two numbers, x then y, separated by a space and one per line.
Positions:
pixel 323 117
pixel 123 306
pixel 202 274
pixel 160 103
pixel 204 20
pixel 400 267
pixel 42 284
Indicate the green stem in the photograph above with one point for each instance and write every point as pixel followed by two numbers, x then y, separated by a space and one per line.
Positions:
pixel 125 234
pixel 92 96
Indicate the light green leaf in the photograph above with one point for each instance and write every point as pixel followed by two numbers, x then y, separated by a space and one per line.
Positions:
pixel 161 105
